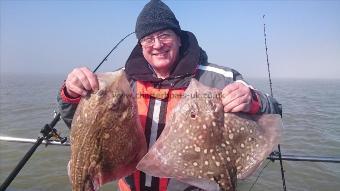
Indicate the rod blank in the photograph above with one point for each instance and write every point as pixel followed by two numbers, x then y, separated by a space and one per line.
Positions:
pixel 271 157
pixel 25 140
pixel 306 158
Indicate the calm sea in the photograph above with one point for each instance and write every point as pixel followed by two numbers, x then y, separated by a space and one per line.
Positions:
pixel 311 116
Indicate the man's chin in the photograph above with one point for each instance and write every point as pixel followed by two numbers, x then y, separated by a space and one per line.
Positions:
pixel 161 66
pixel 161 63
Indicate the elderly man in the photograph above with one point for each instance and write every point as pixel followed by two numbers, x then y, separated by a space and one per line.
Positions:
pixel 165 59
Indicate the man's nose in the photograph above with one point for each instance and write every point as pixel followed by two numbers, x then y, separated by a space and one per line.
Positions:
pixel 158 43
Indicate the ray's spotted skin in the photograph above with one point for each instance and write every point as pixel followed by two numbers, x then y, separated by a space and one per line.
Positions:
pixel 106 136
pixel 203 146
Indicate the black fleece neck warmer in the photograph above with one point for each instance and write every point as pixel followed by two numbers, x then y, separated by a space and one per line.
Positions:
pixel 137 68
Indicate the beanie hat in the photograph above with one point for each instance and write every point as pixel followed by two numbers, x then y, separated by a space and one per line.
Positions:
pixel 154 17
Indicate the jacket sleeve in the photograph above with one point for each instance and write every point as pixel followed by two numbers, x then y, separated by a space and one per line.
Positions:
pixel 67 107
pixel 267 103
pixel 216 76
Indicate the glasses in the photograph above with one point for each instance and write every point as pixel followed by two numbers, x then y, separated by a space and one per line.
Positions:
pixel 150 41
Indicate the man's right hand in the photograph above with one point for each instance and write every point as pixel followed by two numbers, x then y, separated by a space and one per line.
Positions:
pixel 80 82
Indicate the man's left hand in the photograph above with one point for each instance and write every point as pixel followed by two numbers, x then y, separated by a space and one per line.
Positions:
pixel 236 97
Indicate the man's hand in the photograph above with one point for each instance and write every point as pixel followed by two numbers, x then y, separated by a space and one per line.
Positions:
pixel 236 97
pixel 81 81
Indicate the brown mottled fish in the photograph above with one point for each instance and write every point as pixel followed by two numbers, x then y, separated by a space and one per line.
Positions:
pixel 107 140
pixel 205 147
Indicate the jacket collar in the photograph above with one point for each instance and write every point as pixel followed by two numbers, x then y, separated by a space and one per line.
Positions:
pixel 137 68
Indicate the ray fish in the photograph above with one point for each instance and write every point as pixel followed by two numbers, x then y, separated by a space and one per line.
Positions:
pixel 208 148
pixel 107 140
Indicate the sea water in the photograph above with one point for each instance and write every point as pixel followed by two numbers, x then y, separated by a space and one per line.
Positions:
pixel 311 117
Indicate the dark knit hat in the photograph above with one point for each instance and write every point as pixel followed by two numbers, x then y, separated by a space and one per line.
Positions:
pixel 154 17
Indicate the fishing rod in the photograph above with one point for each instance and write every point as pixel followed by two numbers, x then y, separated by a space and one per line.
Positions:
pixel 271 93
pixel 48 131
pixel 273 156
pixel 26 140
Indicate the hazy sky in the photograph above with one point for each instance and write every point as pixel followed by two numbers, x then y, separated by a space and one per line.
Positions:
pixel 56 36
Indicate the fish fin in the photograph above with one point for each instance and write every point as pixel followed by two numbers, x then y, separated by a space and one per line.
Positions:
pixel 152 165
pixel 269 127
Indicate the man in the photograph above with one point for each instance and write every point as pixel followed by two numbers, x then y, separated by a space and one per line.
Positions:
pixel 163 62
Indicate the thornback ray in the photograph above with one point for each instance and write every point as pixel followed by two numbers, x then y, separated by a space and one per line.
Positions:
pixel 107 139
pixel 203 146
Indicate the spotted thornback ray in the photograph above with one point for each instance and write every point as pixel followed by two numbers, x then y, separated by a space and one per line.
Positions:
pixel 107 140
pixel 203 146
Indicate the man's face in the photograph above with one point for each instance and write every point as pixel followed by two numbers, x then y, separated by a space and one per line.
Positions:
pixel 161 50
